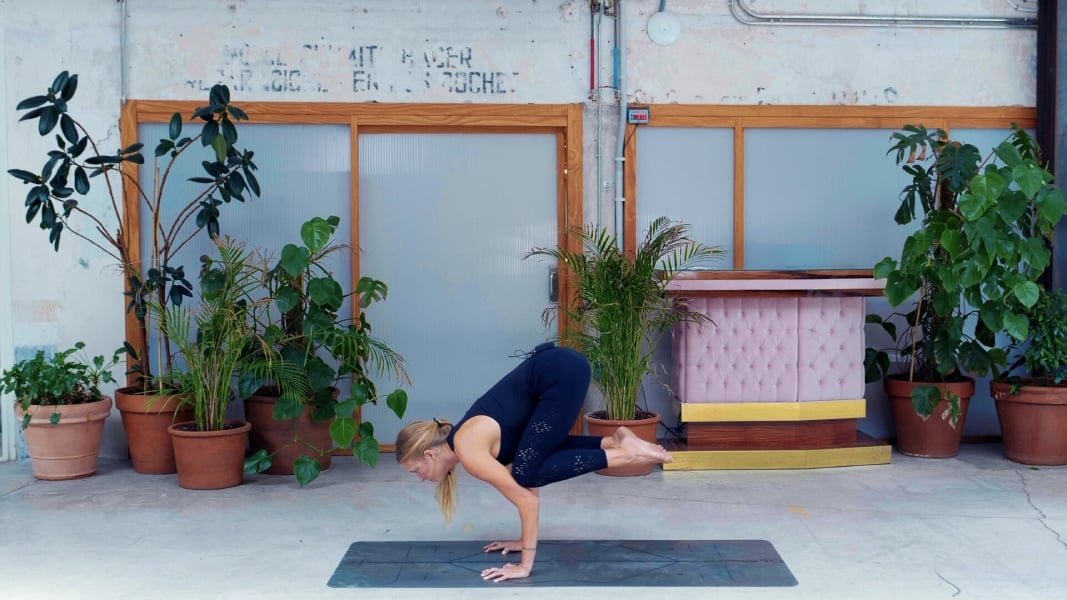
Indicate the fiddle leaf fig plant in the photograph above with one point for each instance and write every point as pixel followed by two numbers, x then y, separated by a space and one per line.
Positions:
pixel 971 269
pixel 58 192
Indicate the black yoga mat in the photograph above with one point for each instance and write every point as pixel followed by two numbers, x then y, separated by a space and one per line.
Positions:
pixel 618 563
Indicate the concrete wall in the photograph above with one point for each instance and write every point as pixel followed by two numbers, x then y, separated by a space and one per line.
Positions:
pixel 479 51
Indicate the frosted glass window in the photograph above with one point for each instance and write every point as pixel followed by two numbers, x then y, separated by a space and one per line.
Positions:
pixel 304 171
pixel 687 174
pixel 445 220
pixel 820 199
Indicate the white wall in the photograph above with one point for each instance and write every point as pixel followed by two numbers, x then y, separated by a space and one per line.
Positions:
pixel 478 51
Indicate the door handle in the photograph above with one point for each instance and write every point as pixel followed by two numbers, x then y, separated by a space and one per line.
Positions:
pixel 553 284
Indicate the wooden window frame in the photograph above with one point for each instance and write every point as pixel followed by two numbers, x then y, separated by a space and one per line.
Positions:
pixel 743 117
pixel 565 120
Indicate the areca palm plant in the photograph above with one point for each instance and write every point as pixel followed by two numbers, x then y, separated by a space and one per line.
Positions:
pixel 622 309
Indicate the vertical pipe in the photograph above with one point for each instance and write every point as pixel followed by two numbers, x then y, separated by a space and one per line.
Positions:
pixel 620 66
pixel 1052 115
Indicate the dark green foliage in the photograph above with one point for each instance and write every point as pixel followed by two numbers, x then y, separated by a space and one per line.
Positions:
pixel 53 200
pixel 66 377
pixel 307 328
pixel 971 269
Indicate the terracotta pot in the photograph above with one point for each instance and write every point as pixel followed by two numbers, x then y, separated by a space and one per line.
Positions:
pixel 644 427
pixel 934 437
pixel 146 417
pixel 286 441
pixel 69 449
pixel 210 460
pixel 1033 423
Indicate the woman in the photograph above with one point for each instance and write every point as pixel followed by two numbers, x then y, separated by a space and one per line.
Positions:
pixel 516 438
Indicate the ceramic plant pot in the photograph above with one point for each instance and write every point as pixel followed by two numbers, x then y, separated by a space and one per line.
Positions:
pixel 645 428
pixel 1033 423
pixel 933 437
pixel 70 448
pixel 146 417
pixel 286 441
pixel 210 460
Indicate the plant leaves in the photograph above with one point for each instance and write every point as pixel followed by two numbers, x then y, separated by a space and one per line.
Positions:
pixel 306 470
pixel 257 462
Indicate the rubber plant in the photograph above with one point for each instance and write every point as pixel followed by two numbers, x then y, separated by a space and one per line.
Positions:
pixel 57 190
pixel 622 310
pixel 971 268
pixel 309 329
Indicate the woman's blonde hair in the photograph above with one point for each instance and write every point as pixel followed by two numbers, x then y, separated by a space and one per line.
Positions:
pixel 420 436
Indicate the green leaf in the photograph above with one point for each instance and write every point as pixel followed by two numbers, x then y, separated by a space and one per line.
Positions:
pixel 287 298
pixel 306 470
pixel 925 399
pixel 343 431
pixel 316 233
pixel 1017 326
pixel 175 126
pixel 1029 177
pixel 899 289
pixel 326 292
pixel 294 259
pixel 1027 293
pixel 258 462
pixel 398 402
pixel 287 408
pixel 367 451
pixel 1051 204
pixel 952 240
pixel 347 408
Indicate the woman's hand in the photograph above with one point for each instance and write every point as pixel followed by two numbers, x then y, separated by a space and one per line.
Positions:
pixel 504 547
pixel 508 571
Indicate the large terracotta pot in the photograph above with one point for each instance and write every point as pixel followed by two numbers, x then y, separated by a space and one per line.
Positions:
pixel 69 449
pixel 934 437
pixel 210 460
pixel 1033 422
pixel 146 417
pixel 645 427
pixel 285 440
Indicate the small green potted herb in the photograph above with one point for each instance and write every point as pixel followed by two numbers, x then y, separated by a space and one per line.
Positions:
pixel 1032 408
pixel 62 409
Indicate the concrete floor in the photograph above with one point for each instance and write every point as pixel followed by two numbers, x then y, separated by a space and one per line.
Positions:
pixel 972 527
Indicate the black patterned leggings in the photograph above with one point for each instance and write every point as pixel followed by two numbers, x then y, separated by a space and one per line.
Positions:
pixel 547 453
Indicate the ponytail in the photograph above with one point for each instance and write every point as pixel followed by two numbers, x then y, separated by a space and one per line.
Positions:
pixel 420 436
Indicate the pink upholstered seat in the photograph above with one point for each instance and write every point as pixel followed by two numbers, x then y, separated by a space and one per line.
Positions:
pixel 771 350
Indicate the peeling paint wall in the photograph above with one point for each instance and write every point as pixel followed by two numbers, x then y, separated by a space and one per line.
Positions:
pixel 479 51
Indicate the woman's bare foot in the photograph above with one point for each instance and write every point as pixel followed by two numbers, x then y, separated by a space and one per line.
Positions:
pixel 640 450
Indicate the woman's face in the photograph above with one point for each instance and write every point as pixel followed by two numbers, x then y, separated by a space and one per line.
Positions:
pixel 427 467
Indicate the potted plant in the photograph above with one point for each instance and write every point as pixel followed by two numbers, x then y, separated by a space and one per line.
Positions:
pixel 297 434
pixel 621 312
pixel 967 272
pixel 66 177
pixel 64 438
pixel 1032 409
pixel 218 343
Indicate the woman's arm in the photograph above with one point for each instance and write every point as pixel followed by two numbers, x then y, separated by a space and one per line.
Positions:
pixel 473 450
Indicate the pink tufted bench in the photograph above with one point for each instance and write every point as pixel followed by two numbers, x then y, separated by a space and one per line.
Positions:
pixel 781 371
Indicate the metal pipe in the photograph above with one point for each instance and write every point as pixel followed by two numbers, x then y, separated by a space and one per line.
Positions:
pixel 122 53
pixel 620 156
pixel 744 14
